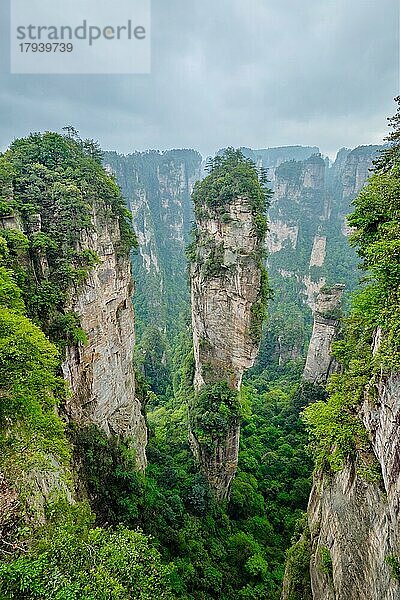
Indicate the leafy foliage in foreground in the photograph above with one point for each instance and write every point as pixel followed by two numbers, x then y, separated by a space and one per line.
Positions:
pixel 72 560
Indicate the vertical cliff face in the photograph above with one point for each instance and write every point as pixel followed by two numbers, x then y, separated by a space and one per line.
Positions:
pixel 353 536
pixel 31 475
pixel 347 176
pixel 307 239
pixel 352 542
pixel 100 372
pixel 227 283
pixel 66 241
pixel 357 520
pixel 320 363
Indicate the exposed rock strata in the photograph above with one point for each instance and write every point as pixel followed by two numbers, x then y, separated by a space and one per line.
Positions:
pixel 158 187
pixel 101 372
pixel 359 520
pixel 354 522
pixel 320 362
pixel 349 518
pixel 222 313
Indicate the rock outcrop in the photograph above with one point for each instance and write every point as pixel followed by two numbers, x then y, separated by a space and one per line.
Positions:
pixel 101 371
pixel 307 238
pixel 320 363
pixel 69 252
pixel 224 294
pixel 222 301
pixel 352 538
pixel 352 547
pixel 228 289
pixel 357 520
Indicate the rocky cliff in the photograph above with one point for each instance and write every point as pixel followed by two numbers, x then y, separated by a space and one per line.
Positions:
pixel 227 287
pixel 101 372
pixel 354 520
pixel 320 363
pixel 66 262
pixel 350 548
pixel 351 544
pixel 308 239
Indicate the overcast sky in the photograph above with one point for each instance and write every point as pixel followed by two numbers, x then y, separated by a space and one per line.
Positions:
pixel 254 73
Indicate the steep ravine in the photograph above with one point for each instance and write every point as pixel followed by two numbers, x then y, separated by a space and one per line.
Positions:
pixel 307 238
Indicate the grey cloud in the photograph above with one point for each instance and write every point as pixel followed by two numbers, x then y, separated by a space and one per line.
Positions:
pixel 233 72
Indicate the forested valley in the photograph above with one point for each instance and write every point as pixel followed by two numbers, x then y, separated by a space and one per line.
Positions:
pixel 168 449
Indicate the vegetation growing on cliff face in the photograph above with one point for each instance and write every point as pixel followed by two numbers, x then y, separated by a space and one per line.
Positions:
pixel 227 252
pixel 53 186
pixel 231 175
pixel 370 349
pixel 158 185
pixel 207 551
pixel 217 408
pixel 53 176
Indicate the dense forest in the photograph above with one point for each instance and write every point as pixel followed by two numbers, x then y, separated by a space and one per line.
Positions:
pixel 102 528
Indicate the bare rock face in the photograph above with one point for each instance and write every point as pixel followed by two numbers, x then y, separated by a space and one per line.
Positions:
pixel 351 538
pixel 222 302
pixel 280 233
pixel 320 362
pixel 318 252
pixel 101 372
pixel 226 288
pixel 357 520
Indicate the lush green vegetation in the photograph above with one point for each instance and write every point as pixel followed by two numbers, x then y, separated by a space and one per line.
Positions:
pixel 325 561
pixel 394 564
pixel 162 534
pixel 207 551
pixel 54 185
pixel 298 558
pixel 232 175
pixel 214 552
pixel 56 181
pixel 375 315
pixel 158 187
pixel 217 408
pixel 71 559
